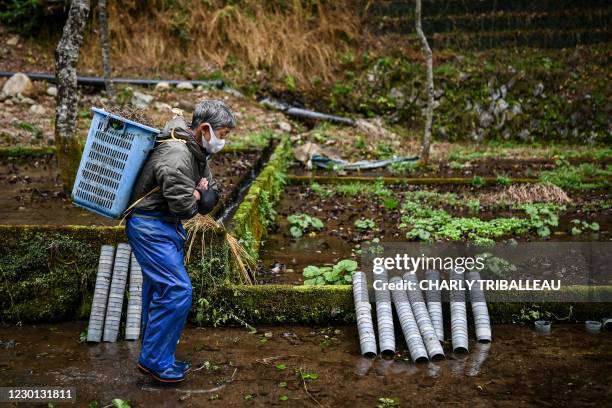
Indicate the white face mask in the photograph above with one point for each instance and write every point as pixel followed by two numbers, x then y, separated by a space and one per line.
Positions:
pixel 213 145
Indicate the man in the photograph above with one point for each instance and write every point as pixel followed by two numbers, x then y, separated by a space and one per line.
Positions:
pixel 175 184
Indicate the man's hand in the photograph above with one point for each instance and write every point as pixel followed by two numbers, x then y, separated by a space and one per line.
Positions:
pixel 202 185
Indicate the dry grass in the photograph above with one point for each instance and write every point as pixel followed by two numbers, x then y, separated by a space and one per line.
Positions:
pixel 202 225
pixel 128 112
pixel 527 194
pixel 293 38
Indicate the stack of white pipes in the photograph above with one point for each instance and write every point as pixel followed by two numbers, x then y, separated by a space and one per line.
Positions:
pixel 363 310
pixel 134 310
pixel 384 318
pixel 117 292
pixel 459 330
pixel 422 322
pixel 107 305
pixel 100 296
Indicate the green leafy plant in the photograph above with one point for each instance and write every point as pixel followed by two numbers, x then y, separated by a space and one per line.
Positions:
pixel 432 197
pixel 365 224
pixel 530 314
pixel 456 165
pixel 308 376
pixel 473 205
pixel 300 223
pixel 428 224
pixel 266 208
pixel 119 403
pixel 339 274
pixel 542 216
pixel 478 181
pixel 580 226
pixel 390 203
pixel 499 267
pixel 388 403
pixel 404 167
pixel 572 177
pixel 321 190
pixel 350 189
pixel 503 180
pixel 33 129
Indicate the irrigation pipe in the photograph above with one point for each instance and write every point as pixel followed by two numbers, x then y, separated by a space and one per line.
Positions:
pixel 434 303
pixel 410 328
pixel 482 323
pixel 459 330
pixel 134 309
pixel 428 333
pixel 363 311
pixel 116 293
pixel 384 317
pixel 99 82
pixel 100 296
pixel 305 113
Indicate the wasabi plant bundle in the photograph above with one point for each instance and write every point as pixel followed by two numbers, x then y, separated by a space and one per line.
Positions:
pixel 199 225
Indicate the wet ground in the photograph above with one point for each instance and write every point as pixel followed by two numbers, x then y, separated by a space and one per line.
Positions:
pixel 517 168
pixel 32 192
pixel 283 257
pixel 236 368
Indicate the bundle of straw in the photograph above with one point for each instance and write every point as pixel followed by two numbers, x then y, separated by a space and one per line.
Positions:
pixel 200 225
pixel 528 194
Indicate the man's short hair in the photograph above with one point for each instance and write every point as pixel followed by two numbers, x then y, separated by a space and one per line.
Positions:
pixel 217 113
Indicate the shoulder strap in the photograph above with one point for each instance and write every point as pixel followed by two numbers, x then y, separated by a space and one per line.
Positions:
pixel 174 139
pixel 135 203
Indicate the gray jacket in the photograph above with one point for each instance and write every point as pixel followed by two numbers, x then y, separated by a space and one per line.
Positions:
pixel 176 167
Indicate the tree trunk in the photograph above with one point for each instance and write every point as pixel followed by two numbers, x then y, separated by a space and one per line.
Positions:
pixel 103 17
pixel 66 58
pixel 430 85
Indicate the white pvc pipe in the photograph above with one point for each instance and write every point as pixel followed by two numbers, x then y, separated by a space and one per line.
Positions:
pixel 482 323
pixel 434 303
pixel 384 317
pixel 428 333
pixel 116 293
pixel 459 330
pixel 363 311
pixel 410 328
pixel 134 310
pixel 100 296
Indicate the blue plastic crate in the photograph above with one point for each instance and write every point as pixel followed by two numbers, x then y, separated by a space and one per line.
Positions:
pixel 115 152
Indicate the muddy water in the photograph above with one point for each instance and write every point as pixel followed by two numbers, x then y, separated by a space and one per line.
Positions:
pixel 32 193
pixel 283 258
pixel 236 368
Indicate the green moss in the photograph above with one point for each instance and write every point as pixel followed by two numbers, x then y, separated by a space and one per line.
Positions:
pixel 253 216
pixel 20 151
pixel 46 272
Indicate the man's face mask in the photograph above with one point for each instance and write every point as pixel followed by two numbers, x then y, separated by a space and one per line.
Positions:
pixel 214 145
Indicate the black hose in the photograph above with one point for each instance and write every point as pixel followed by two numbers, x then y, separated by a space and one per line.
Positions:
pixel 99 82
pixel 307 114
pixel 304 113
